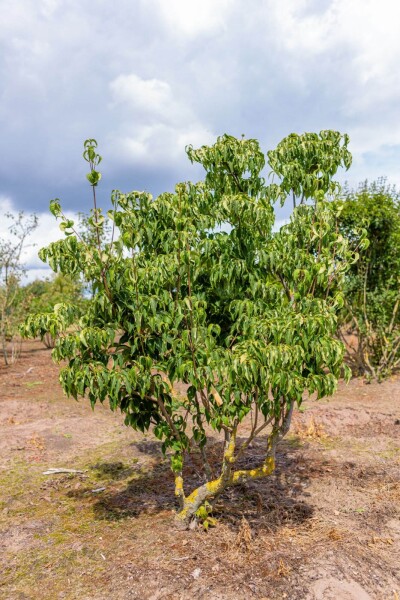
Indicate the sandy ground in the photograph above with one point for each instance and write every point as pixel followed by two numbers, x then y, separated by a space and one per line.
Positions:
pixel 325 526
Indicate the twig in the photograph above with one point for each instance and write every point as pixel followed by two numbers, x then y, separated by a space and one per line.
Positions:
pixel 53 471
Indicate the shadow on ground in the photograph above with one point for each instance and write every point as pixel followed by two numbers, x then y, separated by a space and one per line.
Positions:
pixel 267 503
pixel 115 471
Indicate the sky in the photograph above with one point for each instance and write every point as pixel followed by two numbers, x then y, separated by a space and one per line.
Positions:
pixel 147 77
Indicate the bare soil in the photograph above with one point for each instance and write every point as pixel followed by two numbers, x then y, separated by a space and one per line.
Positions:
pixel 325 526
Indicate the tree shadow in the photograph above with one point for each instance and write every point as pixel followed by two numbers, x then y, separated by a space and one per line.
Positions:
pixel 30 350
pixel 150 491
pixel 279 499
pixel 148 447
pixel 271 502
pixel 115 471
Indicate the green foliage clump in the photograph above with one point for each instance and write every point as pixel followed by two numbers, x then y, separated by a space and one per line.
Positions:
pixel 198 289
pixel 43 295
pixel 372 291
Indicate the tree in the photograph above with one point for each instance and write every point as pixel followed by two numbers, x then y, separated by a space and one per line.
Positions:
pixel 42 296
pixel 198 289
pixel 13 302
pixel 372 292
pixel 94 229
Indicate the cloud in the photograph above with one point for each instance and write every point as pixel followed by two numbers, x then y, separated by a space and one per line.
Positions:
pixel 192 18
pixel 353 47
pixel 145 78
pixel 164 127
pixel 5 207
pixel 151 96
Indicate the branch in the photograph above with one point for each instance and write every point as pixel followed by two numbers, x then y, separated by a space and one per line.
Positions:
pixel 394 314
pixel 287 291
pixel 254 432
pixel 168 418
pixel 234 176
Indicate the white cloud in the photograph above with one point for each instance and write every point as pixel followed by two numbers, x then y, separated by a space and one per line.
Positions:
pixel 33 273
pixel 49 7
pixel 298 28
pixel 166 125
pixel 48 231
pixel 192 17
pixel 368 27
pixel 158 144
pixel 5 207
pixel 149 95
pixel 351 47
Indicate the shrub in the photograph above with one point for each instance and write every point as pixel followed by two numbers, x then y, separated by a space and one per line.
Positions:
pixel 372 287
pixel 197 289
pixel 43 295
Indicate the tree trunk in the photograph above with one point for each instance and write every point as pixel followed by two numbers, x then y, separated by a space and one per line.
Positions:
pixel 211 489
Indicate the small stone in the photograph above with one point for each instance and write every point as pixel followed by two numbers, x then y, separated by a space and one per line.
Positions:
pixel 196 573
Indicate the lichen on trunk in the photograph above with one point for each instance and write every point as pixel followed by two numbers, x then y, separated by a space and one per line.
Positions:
pixel 189 505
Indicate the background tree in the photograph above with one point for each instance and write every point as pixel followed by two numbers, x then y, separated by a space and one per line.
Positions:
pixel 370 319
pixel 43 295
pixel 13 301
pixel 198 290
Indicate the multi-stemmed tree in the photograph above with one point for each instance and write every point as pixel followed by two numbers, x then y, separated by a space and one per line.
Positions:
pixel 197 288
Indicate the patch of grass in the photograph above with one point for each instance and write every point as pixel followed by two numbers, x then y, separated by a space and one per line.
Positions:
pixel 114 470
pixel 293 441
pixel 15 481
pixel 356 446
pixel 61 536
pixel 33 384
pixel 330 442
pixel 392 452
pixel 57 569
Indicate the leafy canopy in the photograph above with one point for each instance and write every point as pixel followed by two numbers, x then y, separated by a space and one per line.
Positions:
pixel 198 289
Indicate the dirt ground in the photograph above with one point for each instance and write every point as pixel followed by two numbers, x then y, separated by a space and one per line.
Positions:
pixel 325 526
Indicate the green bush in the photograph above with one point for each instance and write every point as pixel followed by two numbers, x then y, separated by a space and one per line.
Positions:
pixel 197 289
pixel 370 319
pixel 42 296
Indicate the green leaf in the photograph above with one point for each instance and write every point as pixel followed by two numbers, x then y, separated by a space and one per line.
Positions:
pixel 55 207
